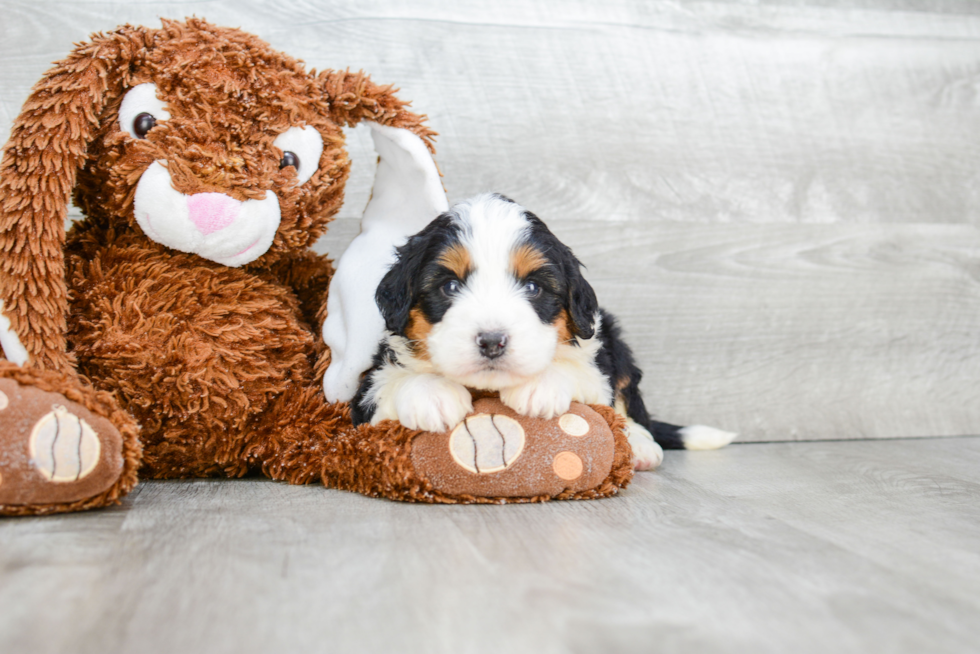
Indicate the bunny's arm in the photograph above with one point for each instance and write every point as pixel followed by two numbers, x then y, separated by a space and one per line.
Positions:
pixel 308 275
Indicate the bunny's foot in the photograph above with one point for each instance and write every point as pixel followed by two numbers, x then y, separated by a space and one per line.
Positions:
pixel 63 447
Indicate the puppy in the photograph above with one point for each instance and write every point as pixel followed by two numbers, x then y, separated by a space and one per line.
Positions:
pixel 486 297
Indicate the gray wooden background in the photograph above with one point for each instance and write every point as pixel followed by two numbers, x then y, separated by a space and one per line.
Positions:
pixel 780 198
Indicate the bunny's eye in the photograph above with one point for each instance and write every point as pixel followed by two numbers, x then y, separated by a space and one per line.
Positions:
pixel 301 148
pixel 289 159
pixel 143 124
pixel 141 110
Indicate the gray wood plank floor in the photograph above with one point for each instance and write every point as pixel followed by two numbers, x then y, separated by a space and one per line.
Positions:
pixel 869 546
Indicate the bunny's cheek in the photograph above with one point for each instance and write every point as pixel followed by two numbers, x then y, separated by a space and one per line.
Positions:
pixel 212 225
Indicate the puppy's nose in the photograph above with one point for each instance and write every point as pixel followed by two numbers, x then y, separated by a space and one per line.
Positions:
pixel 491 344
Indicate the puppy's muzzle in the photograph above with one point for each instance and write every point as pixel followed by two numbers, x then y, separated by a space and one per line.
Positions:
pixel 491 344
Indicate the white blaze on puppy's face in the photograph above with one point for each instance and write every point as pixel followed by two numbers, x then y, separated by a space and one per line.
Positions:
pixel 491 301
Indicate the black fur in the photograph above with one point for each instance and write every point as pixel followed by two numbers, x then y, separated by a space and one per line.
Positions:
pixel 361 412
pixel 617 364
pixel 566 280
pixel 415 277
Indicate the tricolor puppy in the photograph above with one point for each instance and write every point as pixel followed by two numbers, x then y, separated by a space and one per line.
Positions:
pixel 486 297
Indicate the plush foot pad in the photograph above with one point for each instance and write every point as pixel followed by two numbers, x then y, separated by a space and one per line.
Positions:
pixel 495 452
pixel 52 450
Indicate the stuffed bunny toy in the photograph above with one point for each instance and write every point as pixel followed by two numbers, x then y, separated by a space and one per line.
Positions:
pixel 174 331
pixel 187 301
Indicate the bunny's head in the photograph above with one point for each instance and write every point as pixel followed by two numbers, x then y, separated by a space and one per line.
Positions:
pixel 204 139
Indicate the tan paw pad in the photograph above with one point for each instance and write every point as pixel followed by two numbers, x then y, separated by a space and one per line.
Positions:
pixel 573 425
pixel 486 443
pixel 63 446
pixel 568 466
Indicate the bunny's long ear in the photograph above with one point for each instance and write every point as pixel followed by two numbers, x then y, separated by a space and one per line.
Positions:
pixel 47 146
pixel 354 97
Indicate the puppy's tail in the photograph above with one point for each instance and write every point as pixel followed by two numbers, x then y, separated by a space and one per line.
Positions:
pixel 691 437
pixel 616 360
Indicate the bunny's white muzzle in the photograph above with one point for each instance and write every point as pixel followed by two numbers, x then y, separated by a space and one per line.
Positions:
pixel 211 225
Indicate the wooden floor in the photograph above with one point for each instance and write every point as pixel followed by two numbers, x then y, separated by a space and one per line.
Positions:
pixel 857 546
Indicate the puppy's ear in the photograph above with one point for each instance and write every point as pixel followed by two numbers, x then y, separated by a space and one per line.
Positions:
pixel 582 304
pixel 354 97
pixel 580 300
pixel 395 296
pixel 47 146
pixel 398 290
pixel 401 286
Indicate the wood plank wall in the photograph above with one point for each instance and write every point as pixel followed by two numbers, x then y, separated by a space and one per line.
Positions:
pixel 780 198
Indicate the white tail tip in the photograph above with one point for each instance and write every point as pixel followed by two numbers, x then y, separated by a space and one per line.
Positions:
pixel 700 437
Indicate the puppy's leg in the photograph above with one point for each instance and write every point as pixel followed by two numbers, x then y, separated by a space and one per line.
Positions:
pixel 616 361
pixel 572 376
pixel 647 453
pixel 393 389
pixel 423 401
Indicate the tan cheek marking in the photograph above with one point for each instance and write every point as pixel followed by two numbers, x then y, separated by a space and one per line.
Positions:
pixel 418 332
pixel 622 383
pixel 563 325
pixel 525 260
pixel 457 259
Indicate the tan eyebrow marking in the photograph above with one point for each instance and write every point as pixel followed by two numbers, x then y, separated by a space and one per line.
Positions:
pixel 457 259
pixel 525 260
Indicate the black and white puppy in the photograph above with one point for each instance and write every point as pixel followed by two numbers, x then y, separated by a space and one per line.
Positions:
pixel 486 297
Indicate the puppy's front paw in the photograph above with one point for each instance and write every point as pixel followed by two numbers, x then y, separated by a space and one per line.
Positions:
pixel 544 397
pixel 432 403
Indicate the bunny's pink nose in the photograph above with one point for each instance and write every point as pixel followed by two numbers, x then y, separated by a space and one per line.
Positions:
pixel 211 212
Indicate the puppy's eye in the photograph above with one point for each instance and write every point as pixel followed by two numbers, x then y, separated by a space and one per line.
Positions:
pixel 532 289
pixel 143 124
pixel 289 159
pixel 450 288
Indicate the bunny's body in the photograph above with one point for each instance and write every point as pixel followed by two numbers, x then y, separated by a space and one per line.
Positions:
pixel 207 358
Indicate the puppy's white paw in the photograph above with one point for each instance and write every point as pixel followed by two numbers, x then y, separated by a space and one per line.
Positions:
pixel 432 403
pixel 647 454
pixel 544 397
pixel 700 437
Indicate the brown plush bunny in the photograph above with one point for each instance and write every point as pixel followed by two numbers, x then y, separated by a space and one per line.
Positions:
pixel 173 331
pixel 207 343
